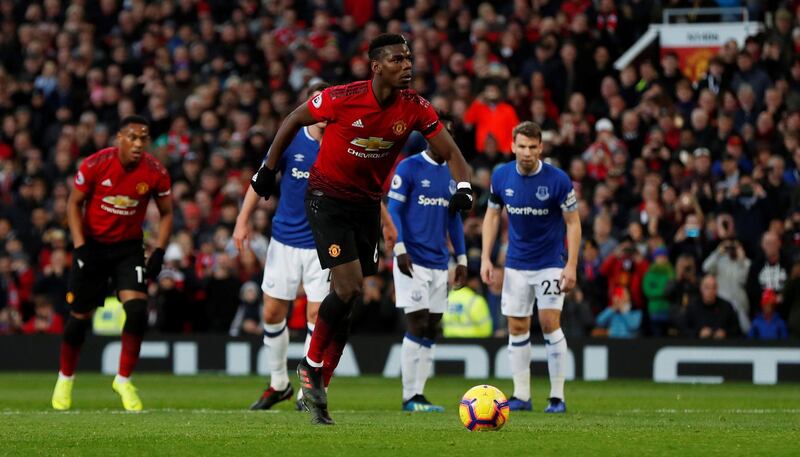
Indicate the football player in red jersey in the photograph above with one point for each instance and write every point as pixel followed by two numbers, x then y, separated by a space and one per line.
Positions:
pixel 368 124
pixel 105 211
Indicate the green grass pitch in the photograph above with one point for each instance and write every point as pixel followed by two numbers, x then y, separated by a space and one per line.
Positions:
pixel 206 415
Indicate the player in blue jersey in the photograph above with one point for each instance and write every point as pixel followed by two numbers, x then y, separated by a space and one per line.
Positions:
pixel 418 203
pixel 291 257
pixel 542 209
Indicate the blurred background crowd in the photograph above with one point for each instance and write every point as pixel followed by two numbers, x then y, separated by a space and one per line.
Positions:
pixel 688 190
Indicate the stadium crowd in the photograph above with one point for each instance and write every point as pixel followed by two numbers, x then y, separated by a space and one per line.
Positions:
pixel 688 191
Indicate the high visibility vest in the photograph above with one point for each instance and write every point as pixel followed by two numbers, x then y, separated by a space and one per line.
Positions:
pixel 467 315
pixel 109 319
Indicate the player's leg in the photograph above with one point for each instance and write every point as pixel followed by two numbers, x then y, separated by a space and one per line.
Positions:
pixel 131 285
pixel 83 298
pixel 78 324
pixel 135 305
pixel 282 274
pixel 550 301
pixel 517 305
pixel 366 229
pixel 317 285
pixel 438 304
pixel 276 339
pixel 331 326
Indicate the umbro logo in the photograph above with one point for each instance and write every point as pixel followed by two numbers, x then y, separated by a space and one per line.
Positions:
pixel 299 157
pixel 509 192
pixel 358 124
pixel 106 182
pixel 425 183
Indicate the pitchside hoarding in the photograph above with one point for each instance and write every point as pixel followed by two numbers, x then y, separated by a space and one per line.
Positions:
pixel 593 360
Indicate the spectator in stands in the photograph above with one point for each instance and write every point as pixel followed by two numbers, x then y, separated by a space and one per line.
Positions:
pixel 768 325
pixel 621 320
pixel 728 263
pixel 683 290
pixel 45 320
pixel 247 320
pixel 711 317
pixel 654 286
pixel 626 268
pixel 492 116
pixel 769 269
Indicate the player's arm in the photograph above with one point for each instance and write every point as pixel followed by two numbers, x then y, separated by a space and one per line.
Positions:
pixel 395 209
pixel 389 229
pixel 75 216
pixel 569 275
pixel 156 259
pixel 263 182
pixel 445 147
pixel 455 229
pixel 241 231
pixel 398 195
pixel 164 204
pixel 491 225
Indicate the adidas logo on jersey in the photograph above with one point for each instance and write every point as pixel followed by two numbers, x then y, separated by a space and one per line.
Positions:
pixel 106 182
pixel 358 124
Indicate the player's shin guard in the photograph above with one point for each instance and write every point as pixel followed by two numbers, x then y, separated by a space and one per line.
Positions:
pixel 556 345
pixel 331 312
pixel 276 338
pixel 409 364
pixel 425 365
pixel 132 334
pixel 519 353
pixel 71 343
pixel 334 351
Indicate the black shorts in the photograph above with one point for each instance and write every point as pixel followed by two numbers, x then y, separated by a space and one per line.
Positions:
pixel 344 231
pixel 109 267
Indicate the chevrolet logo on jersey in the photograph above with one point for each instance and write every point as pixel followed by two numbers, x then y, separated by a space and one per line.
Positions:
pixel 372 143
pixel 120 201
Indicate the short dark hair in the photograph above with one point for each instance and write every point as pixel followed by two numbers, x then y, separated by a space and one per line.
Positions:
pixel 134 119
pixel 383 40
pixel 317 87
pixel 528 129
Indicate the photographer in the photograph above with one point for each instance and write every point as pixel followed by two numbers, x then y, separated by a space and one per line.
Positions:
pixel 729 265
pixel 626 268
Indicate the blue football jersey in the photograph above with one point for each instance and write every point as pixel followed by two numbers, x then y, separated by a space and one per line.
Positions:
pixel 418 203
pixel 289 225
pixel 535 205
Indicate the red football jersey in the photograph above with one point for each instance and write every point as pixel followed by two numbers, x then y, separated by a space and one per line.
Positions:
pixel 362 138
pixel 117 198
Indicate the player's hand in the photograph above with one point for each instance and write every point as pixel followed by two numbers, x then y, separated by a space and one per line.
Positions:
pixel 241 233
pixel 462 199
pixel 389 237
pixel 81 256
pixel 487 272
pixel 568 279
pixel 404 264
pixel 460 277
pixel 154 263
pixel 263 182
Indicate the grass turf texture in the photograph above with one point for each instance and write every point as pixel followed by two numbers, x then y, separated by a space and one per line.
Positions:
pixel 206 415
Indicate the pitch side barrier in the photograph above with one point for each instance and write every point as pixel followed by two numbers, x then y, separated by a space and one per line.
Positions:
pixel 662 360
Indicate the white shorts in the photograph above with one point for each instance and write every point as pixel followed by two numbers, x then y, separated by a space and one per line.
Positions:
pixel 427 289
pixel 287 266
pixel 522 287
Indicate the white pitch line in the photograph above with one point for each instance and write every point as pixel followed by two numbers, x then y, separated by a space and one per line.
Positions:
pixel 363 411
